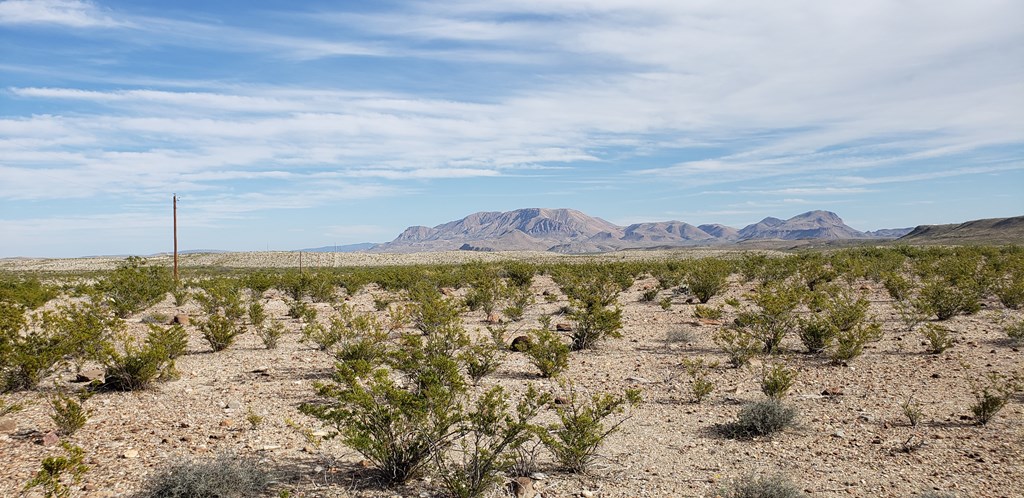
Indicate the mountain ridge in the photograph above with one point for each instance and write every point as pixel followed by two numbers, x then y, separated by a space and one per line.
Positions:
pixel 571 231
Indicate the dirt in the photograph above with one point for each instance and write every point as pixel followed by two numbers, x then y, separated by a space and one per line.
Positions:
pixel 852 441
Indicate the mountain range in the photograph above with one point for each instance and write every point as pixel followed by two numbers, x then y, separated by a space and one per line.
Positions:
pixel 571 231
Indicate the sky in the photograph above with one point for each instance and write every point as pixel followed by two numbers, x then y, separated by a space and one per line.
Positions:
pixel 283 125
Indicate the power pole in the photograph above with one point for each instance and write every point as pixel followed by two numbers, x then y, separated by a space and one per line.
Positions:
pixel 174 199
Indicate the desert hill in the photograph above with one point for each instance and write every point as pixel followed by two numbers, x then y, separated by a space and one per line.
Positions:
pixel 986 231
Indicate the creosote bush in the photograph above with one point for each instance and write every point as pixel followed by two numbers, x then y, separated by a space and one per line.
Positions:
pixel 939 338
pixel 700 385
pixel 991 394
pixel 738 343
pixel 68 413
pixel 850 344
pixel 134 286
pixel 219 331
pixel 708 277
pixel 776 380
pixel 56 470
pixel 581 429
pixel 488 440
pixel 224 475
pixel 773 319
pixel 547 352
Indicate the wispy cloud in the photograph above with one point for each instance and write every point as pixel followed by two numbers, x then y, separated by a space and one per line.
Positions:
pixel 71 13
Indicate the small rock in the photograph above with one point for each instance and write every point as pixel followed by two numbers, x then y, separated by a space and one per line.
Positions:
pixel 91 374
pixel 320 434
pixel 586 493
pixel 233 405
pixel 839 433
pixel 520 343
pixel 561 400
pixel 563 327
pixel 318 469
pixel 936 375
pixel 270 447
pixel 832 391
pixel 638 380
pixel 493 318
pixel 131 454
pixel 448 291
pixel 179 319
pixel 538 476
pixel 51 439
pixel 521 487
pixel 8 425
pixel 227 422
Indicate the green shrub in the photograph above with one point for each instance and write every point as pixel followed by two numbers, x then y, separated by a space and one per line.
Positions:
pixel 224 475
pixel 398 414
pixel 581 429
pixel 991 395
pixel 547 352
pixel 219 331
pixel 222 296
pixel 649 295
pixel 83 328
pixel 665 303
pixel 68 413
pixel 481 359
pixel 362 343
pixel 776 380
pixel 700 385
pixel 1015 331
pixel 519 299
pixel 708 312
pixel 1010 290
pixel 26 292
pixel 257 314
pixel 432 312
pixel 270 334
pixel 773 319
pixel 132 366
pixel 259 281
pixel 180 294
pixel 755 486
pixel 912 411
pixel 591 297
pixel 133 286
pixel 761 418
pixel 939 338
pixel 738 343
pixel 52 475
pixel 708 277
pixel 945 300
pixel 29 356
pixel 898 286
pixel 850 344
pixel 490 436
pixel 301 310
pixel 816 333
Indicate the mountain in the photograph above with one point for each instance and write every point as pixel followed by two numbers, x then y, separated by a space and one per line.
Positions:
pixel 570 231
pixel 888 233
pixel 986 231
pixel 534 229
pixel 810 225
pixel 343 248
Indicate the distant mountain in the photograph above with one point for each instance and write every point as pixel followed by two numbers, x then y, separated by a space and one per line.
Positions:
pixel 535 229
pixel 570 231
pixel 810 225
pixel 888 233
pixel 986 231
pixel 343 248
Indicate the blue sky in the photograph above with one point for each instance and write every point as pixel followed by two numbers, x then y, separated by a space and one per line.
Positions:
pixel 284 125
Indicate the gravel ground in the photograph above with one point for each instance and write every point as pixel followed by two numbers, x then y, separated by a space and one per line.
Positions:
pixel 853 442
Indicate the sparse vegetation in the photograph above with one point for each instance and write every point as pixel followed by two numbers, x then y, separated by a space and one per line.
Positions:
pixel 581 429
pixel 761 418
pixel 547 352
pixel 55 471
pixel 776 379
pixel 757 486
pixel 226 474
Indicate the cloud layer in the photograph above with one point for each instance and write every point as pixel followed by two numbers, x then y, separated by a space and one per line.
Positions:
pixel 784 102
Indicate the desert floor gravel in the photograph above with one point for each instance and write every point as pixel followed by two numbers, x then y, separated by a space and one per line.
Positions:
pixel 853 442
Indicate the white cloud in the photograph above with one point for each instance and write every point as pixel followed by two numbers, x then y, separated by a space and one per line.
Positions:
pixel 72 13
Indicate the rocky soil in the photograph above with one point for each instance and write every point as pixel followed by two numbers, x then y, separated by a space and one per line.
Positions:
pixel 852 438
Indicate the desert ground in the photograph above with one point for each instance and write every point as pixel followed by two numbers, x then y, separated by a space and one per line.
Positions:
pixel 851 437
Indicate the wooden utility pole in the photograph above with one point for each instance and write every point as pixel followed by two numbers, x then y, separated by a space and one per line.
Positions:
pixel 174 201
